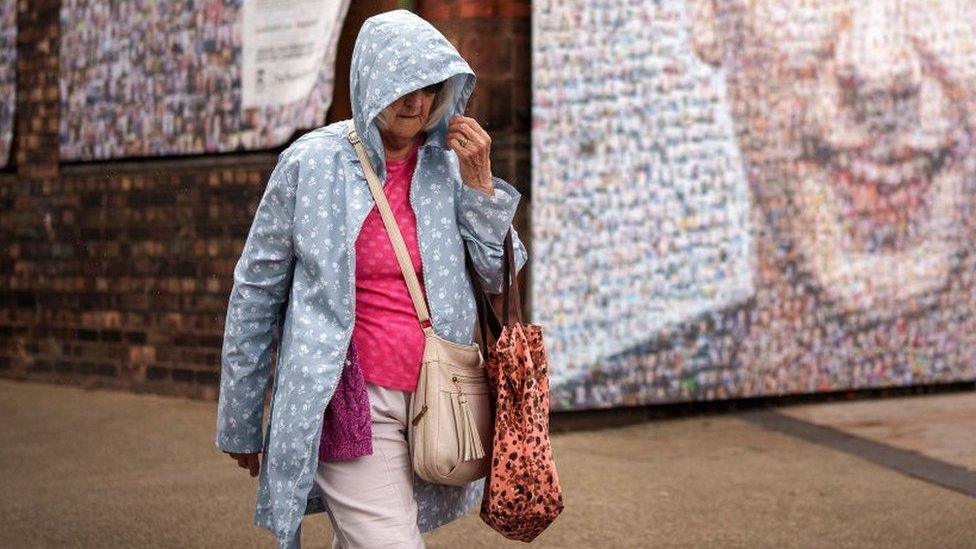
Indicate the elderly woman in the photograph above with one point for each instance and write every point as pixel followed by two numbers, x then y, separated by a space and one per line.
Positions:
pixel 318 244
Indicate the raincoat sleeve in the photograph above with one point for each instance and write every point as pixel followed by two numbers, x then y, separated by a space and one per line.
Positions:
pixel 262 278
pixel 483 220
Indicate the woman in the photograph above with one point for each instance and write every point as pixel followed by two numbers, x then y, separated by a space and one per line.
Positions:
pixel 409 87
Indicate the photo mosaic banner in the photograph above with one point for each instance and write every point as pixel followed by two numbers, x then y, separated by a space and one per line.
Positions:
pixel 8 76
pixel 735 199
pixel 165 77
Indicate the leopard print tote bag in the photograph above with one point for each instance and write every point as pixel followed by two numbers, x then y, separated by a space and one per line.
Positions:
pixel 522 494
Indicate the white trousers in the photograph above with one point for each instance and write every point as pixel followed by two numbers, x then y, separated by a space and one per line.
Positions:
pixel 371 497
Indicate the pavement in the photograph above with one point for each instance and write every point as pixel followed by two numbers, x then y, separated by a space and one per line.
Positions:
pixel 101 468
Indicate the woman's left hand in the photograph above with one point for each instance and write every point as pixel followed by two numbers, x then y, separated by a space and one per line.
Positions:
pixel 473 147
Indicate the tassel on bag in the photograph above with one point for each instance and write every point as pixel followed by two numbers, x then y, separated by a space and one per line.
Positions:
pixel 471 447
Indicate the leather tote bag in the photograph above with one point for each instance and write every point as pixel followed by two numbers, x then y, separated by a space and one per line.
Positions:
pixel 451 416
pixel 522 493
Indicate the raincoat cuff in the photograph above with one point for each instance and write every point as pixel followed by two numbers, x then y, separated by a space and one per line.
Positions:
pixel 243 443
pixel 488 216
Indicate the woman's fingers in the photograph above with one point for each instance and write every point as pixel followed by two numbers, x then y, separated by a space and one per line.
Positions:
pixel 471 130
pixel 467 149
pixel 481 131
pixel 467 128
pixel 475 155
pixel 466 131
pixel 454 141
pixel 473 140
pixel 471 143
pixel 473 137
pixel 251 462
pixel 465 121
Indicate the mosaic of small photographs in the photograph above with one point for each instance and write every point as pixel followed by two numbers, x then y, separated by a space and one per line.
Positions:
pixel 855 126
pixel 8 76
pixel 163 77
pixel 640 207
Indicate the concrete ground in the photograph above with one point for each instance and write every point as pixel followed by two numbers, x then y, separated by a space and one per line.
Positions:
pixel 93 468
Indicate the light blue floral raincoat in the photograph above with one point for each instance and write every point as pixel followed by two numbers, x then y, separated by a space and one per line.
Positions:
pixel 311 212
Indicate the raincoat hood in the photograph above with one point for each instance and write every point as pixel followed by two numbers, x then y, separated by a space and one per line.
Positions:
pixel 396 53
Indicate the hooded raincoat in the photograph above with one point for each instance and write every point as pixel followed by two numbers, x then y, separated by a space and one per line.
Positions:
pixel 300 250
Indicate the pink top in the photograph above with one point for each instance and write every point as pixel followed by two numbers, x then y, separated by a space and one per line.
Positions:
pixel 387 334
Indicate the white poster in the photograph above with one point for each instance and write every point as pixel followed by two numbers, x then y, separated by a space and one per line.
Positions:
pixel 285 43
pixel 160 78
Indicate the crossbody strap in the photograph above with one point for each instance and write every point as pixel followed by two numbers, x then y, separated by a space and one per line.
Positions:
pixel 396 238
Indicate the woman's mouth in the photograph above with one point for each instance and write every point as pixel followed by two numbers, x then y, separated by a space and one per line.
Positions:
pixel 883 200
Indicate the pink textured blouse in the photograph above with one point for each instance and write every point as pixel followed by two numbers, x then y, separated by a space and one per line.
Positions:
pixel 387 334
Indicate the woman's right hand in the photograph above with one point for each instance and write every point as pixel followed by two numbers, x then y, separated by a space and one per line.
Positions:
pixel 247 461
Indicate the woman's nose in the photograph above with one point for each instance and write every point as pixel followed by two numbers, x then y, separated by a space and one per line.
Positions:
pixel 411 99
pixel 878 66
pixel 874 49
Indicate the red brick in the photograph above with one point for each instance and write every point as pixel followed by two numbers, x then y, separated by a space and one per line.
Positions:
pixel 437 10
pixel 514 10
pixel 472 8
pixel 490 105
pixel 488 55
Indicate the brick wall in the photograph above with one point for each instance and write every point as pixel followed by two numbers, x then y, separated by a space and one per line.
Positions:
pixel 113 274
pixel 116 274
pixel 37 105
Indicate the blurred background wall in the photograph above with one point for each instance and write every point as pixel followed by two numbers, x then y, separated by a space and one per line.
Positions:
pixel 721 199
pixel 766 198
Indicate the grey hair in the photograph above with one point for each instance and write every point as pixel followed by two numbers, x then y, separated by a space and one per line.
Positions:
pixel 437 108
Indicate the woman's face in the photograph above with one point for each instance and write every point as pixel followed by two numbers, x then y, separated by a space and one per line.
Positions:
pixel 863 113
pixel 408 115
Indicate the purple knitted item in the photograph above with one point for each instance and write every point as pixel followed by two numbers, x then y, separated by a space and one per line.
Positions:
pixel 347 431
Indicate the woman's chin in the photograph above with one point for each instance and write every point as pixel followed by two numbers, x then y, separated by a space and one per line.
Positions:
pixel 871 278
pixel 407 128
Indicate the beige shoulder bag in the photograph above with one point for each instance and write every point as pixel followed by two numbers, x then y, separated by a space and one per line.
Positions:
pixel 452 419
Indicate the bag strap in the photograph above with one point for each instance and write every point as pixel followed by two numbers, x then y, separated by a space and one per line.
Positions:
pixel 488 323
pixel 396 238
pixel 510 285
